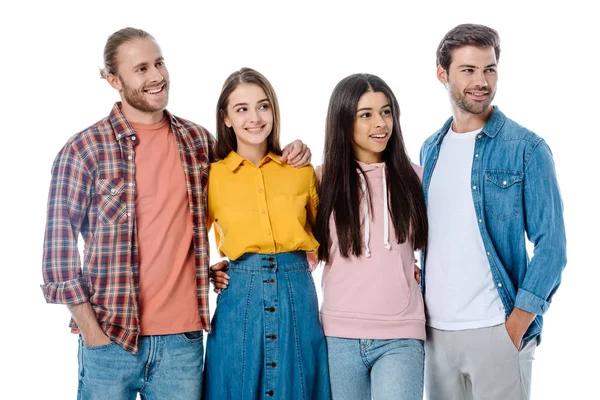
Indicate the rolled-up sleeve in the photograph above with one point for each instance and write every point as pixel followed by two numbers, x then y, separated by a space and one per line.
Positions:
pixel 545 229
pixel 68 203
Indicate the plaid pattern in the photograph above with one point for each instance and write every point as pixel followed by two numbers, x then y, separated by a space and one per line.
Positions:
pixel 92 193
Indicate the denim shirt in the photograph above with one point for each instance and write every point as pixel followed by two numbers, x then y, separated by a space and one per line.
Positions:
pixel 515 192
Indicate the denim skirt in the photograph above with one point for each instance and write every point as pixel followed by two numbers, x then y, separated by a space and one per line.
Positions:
pixel 266 340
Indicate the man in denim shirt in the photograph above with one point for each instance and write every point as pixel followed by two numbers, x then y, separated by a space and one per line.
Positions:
pixel 487 182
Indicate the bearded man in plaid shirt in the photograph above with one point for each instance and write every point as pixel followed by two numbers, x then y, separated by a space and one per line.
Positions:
pixel 134 186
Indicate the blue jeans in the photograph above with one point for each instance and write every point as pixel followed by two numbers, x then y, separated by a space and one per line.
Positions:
pixel 165 367
pixel 382 369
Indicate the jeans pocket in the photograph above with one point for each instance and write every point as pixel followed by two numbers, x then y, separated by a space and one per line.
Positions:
pixel 97 348
pixel 193 336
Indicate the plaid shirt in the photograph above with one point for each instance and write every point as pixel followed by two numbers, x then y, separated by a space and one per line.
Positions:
pixel 92 193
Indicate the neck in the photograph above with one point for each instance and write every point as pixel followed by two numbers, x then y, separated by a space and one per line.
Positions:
pixel 368 158
pixel 467 122
pixel 140 117
pixel 252 152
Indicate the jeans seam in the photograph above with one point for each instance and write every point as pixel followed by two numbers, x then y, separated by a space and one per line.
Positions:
pixel 246 331
pixel 298 354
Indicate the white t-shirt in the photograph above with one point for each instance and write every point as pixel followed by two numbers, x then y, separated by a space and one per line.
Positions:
pixel 460 292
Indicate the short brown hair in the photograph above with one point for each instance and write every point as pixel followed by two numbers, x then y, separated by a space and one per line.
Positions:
pixel 226 140
pixel 466 35
pixel 113 43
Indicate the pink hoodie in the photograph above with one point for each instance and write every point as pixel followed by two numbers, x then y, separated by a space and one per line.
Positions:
pixel 375 296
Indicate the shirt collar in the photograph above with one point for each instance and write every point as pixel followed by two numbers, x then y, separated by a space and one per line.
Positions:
pixel 491 128
pixel 121 127
pixel 234 160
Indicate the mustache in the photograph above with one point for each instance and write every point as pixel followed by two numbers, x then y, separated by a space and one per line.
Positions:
pixel 155 86
pixel 479 88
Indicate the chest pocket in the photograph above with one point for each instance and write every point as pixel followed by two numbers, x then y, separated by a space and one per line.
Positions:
pixel 112 207
pixel 503 193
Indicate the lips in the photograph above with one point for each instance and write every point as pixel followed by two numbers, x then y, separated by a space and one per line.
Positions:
pixel 155 90
pixel 378 135
pixel 480 94
pixel 255 130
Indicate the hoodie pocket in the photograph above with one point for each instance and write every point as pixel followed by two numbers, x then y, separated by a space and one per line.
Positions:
pixel 368 288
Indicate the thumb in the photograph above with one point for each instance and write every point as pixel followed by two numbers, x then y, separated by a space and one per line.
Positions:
pixel 286 152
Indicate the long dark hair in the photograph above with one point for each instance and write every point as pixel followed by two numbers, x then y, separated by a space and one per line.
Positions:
pixel 340 194
pixel 226 141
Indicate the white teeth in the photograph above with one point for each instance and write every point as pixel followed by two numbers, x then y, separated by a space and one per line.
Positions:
pixel 154 91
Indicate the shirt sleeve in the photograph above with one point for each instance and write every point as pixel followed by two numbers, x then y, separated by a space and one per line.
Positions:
pixel 313 200
pixel 212 146
pixel 545 229
pixel 68 203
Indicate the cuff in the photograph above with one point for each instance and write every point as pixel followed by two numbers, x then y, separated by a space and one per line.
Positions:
pixel 529 302
pixel 69 292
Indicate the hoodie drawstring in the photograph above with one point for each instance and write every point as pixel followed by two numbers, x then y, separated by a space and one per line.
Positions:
pixel 386 233
pixel 367 220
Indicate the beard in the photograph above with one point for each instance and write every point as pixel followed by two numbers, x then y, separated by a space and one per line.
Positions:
pixel 469 105
pixel 136 98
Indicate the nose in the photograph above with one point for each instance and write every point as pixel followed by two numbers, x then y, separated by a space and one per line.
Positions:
pixel 255 116
pixel 155 75
pixel 379 121
pixel 479 78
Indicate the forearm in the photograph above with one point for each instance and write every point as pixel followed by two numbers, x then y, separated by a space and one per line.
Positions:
pixel 86 320
pixel 517 324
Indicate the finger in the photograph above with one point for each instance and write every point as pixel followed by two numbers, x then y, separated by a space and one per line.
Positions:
pixel 220 275
pixel 296 153
pixel 223 281
pixel 220 285
pixel 305 160
pixel 220 266
pixel 217 291
pixel 296 157
pixel 286 152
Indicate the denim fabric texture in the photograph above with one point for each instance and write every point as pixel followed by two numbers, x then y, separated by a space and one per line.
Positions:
pixel 380 369
pixel 267 340
pixel 516 197
pixel 165 367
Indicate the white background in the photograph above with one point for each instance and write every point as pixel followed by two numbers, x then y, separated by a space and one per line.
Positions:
pixel 51 52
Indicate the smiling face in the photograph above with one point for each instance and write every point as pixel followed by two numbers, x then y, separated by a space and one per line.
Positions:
pixel 471 79
pixel 250 115
pixel 373 125
pixel 141 78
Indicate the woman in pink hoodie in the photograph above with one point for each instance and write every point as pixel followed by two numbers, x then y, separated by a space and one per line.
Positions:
pixel 370 220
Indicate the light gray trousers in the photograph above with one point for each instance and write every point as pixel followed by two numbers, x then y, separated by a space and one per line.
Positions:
pixel 477 364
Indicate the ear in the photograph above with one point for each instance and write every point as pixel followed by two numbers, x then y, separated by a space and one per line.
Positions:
pixel 114 81
pixel 442 74
pixel 225 118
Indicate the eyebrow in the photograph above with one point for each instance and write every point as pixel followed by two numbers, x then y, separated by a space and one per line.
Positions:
pixel 245 104
pixel 474 67
pixel 370 108
pixel 142 64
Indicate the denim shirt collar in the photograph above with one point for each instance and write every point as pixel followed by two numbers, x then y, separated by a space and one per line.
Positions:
pixel 491 127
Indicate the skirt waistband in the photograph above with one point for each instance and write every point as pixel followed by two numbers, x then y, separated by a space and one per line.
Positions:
pixel 288 261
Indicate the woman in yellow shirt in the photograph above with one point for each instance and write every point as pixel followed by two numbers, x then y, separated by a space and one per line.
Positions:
pixel 266 340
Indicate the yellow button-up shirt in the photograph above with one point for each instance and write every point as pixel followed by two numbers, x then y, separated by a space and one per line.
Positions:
pixel 269 208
